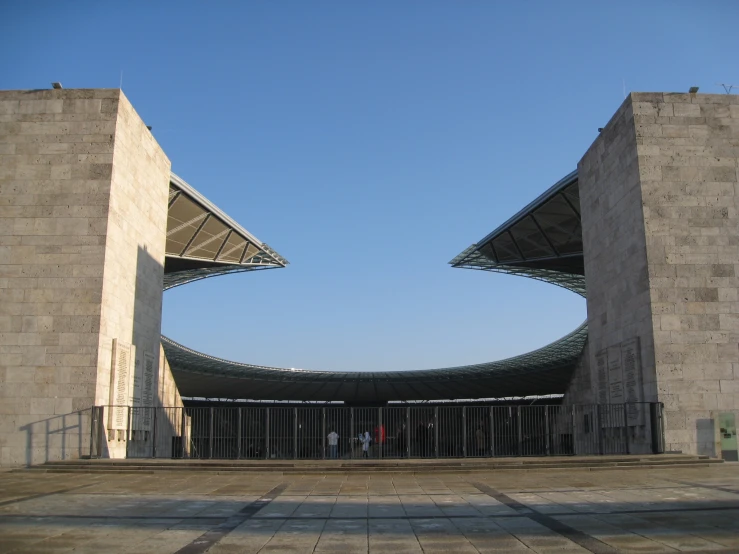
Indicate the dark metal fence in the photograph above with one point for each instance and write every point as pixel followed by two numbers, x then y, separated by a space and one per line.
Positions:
pixel 283 433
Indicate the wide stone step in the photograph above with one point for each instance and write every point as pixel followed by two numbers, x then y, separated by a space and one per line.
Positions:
pixel 144 466
pixel 380 462
pixel 250 467
pixel 360 471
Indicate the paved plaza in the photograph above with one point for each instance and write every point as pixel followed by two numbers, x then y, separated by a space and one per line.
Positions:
pixel 637 510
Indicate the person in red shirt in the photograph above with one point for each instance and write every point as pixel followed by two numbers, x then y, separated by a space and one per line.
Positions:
pixel 380 434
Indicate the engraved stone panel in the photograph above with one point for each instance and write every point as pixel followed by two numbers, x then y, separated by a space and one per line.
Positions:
pixel 147 388
pixel 633 383
pixel 615 376
pixel 120 382
pixel 601 366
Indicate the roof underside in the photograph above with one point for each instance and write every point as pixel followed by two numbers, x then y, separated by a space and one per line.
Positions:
pixel 202 241
pixel 543 241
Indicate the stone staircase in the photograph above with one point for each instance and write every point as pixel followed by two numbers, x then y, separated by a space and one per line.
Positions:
pixel 406 466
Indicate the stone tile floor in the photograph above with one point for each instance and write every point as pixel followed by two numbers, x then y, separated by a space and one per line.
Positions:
pixel 643 510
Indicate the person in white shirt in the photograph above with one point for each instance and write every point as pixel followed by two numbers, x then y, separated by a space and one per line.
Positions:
pixel 333 444
pixel 365 440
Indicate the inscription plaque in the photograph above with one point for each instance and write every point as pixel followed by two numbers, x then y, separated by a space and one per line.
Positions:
pixel 633 385
pixel 147 388
pixel 120 380
pixel 601 366
pixel 615 376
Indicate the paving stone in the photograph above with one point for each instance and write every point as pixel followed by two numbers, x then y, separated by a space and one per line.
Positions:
pixel 669 510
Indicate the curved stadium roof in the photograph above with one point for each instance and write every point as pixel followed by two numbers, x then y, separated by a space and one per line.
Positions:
pixel 543 241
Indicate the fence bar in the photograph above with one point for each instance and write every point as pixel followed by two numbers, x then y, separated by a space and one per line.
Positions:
pixel 238 433
pixel 492 432
pixel 266 433
pixel 656 425
pixel 323 433
pixel 183 433
pixel 210 434
pixel 408 432
pixel 95 427
pixel 353 433
pixel 518 426
pixel 436 431
pixel 380 432
pixel 626 429
pixel 153 432
pixel 464 431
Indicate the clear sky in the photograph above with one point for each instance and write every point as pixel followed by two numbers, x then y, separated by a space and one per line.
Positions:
pixel 369 143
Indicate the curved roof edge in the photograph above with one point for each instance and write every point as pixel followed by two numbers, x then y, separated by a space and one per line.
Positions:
pixel 534 372
pixel 471 258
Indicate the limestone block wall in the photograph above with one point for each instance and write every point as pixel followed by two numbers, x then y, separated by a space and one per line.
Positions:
pixel 56 150
pixel 79 177
pixel 659 210
pixel 580 388
pixel 134 264
pixel 171 423
pixel 688 154
pixel 614 245
pixel 168 395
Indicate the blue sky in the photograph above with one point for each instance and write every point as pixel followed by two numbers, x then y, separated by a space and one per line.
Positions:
pixel 369 143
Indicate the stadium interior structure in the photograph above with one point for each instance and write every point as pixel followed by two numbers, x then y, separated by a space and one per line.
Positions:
pixel 95 227
pixel 543 241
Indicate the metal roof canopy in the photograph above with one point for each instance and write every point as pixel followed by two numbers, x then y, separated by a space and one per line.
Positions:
pixel 546 234
pixel 202 241
pixel 543 241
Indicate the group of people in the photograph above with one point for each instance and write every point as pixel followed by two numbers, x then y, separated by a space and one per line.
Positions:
pixel 365 439
pixel 424 437
pixel 333 444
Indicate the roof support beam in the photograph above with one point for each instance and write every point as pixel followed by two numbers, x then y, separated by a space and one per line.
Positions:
pixel 570 204
pixel 546 238
pixel 195 234
pixel 234 249
pixel 173 198
pixel 212 239
pixel 223 245
pixel 243 254
pixel 186 224
pixel 518 249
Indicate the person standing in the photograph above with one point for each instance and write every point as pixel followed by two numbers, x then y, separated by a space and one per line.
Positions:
pixel 400 440
pixel 333 444
pixel 480 440
pixel 366 440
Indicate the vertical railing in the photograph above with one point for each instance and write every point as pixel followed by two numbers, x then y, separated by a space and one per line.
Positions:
pixel 492 432
pixel 519 439
pixel 183 434
pixel 323 433
pixel 436 431
pixel 266 434
pixel 353 433
pixel 444 431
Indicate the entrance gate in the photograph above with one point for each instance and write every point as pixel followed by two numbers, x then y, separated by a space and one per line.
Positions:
pixel 287 433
